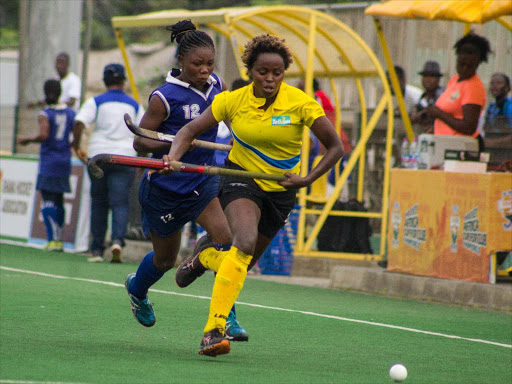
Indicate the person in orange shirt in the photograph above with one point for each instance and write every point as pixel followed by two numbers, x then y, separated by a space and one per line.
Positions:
pixel 458 109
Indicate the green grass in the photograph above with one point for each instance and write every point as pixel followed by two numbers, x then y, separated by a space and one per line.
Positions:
pixel 70 330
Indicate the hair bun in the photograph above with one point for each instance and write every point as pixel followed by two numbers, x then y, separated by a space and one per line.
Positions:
pixel 180 28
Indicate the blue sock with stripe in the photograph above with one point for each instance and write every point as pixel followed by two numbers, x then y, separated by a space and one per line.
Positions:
pixel 61 214
pixel 146 276
pixel 49 213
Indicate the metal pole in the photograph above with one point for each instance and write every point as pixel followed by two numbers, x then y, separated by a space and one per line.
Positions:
pixel 89 7
pixel 22 68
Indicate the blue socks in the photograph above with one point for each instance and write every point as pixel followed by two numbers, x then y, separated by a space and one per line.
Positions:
pixel 146 276
pixel 50 220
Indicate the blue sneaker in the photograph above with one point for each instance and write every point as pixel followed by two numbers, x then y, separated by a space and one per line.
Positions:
pixel 234 331
pixel 141 309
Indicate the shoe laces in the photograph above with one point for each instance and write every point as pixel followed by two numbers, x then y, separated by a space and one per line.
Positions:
pixel 232 321
pixel 141 304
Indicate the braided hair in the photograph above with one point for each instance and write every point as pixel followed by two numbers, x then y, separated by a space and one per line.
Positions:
pixel 265 44
pixel 473 44
pixel 187 36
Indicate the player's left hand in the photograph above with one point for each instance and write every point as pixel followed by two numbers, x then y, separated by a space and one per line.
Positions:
pixel 167 170
pixel 293 181
pixel 432 111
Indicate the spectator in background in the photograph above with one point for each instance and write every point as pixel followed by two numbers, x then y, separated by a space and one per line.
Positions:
pixel 498 123
pixel 224 132
pixel 410 93
pixel 430 77
pixel 458 109
pixel 110 135
pixel 70 83
pixel 499 113
pixel 55 125
pixel 315 147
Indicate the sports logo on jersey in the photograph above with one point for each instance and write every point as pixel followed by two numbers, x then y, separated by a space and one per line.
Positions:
pixel 281 120
pixel 455 95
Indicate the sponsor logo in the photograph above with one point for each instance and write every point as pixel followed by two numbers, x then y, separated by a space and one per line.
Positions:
pixel 472 239
pixel 413 235
pixel 505 209
pixel 396 220
pixel 455 95
pixel 454 228
pixel 281 120
pixel 238 184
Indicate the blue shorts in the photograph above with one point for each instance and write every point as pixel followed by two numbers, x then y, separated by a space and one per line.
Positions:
pixel 165 212
pixel 57 184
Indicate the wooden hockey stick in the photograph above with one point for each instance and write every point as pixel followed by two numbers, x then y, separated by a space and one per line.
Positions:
pixel 97 161
pixel 159 136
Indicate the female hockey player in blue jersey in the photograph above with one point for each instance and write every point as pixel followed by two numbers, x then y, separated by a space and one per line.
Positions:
pixel 170 201
pixel 55 126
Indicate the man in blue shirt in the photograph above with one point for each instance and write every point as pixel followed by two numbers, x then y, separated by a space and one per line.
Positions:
pixel 498 122
pixel 499 113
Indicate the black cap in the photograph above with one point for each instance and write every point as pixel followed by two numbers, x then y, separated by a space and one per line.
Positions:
pixel 431 68
pixel 113 71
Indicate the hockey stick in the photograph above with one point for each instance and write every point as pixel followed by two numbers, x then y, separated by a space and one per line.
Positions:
pixel 97 161
pixel 159 136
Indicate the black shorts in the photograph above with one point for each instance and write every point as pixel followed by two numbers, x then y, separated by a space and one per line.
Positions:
pixel 274 206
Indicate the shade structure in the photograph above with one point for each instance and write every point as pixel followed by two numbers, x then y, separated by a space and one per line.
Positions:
pixel 339 51
pixel 467 11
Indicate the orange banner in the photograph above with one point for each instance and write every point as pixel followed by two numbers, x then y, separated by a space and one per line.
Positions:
pixel 446 224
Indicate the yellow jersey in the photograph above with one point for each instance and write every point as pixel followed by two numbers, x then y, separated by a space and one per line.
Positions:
pixel 267 141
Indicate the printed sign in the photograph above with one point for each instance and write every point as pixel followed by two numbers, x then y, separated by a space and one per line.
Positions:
pixel 17 190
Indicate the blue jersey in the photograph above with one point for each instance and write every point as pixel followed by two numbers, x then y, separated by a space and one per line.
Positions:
pixel 503 111
pixel 55 153
pixel 184 103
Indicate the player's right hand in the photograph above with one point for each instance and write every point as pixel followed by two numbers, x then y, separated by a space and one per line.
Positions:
pixel 82 156
pixel 23 140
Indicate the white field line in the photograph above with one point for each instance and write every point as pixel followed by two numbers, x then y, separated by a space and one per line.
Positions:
pixel 7 381
pixel 271 308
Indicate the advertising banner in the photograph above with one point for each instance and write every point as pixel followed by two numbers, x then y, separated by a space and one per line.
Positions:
pixel 21 219
pixel 446 224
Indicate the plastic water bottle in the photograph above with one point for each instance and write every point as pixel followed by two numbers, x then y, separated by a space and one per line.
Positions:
pixel 404 153
pixel 413 155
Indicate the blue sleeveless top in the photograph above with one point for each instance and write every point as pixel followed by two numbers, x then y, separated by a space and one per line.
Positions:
pixel 55 152
pixel 183 103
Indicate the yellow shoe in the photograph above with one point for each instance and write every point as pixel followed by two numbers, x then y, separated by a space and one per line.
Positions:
pixel 54 246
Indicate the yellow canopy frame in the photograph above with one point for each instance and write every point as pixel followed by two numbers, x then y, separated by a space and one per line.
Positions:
pixel 322 47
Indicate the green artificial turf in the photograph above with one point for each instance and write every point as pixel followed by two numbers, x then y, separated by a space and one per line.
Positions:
pixel 79 329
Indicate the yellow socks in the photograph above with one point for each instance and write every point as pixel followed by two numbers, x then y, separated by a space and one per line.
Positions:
pixel 228 284
pixel 211 258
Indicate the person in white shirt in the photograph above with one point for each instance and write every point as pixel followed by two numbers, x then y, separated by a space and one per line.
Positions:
pixel 70 83
pixel 410 93
pixel 110 135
